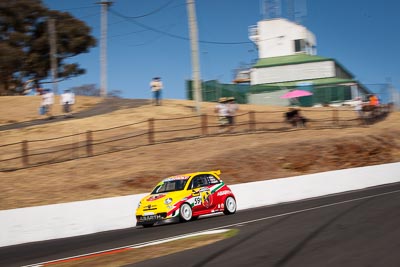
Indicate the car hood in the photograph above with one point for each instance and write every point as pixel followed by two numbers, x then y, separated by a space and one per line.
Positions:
pixel 155 201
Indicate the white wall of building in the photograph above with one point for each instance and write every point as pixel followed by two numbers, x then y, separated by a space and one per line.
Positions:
pixel 295 72
pixel 269 98
pixel 276 37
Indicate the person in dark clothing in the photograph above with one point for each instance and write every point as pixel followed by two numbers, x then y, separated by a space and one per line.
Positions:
pixel 294 117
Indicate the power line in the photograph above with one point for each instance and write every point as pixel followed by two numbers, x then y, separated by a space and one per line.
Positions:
pixel 171 34
pixel 76 8
pixel 146 42
pixel 88 16
pixel 149 28
pixel 154 11
pixel 125 34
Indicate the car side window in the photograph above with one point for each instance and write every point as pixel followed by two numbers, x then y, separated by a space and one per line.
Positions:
pixel 200 181
pixel 213 179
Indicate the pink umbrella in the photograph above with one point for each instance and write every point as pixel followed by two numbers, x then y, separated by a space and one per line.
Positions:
pixel 296 93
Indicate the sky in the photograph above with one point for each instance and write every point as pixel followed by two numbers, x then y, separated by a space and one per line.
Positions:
pixel 151 38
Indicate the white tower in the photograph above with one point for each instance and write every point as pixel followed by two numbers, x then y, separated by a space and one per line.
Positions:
pixel 280 37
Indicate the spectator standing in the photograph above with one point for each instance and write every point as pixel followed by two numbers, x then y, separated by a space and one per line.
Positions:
pixel 373 101
pixel 232 109
pixel 67 100
pixel 156 86
pixel 222 109
pixel 47 103
pixel 358 107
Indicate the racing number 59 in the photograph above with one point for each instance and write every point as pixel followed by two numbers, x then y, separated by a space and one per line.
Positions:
pixel 197 201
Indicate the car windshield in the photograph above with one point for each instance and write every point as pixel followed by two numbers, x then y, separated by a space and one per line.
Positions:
pixel 169 186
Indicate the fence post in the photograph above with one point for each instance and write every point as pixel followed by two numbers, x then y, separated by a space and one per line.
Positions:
pixel 204 124
pixel 252 121
pixel 151 131
pixel 89 143
pixel 335 116
pixel 25 159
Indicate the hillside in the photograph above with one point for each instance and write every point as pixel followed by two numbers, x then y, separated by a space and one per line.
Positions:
pixel 241 157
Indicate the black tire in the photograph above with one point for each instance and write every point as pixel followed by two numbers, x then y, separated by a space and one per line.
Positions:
pixel 230 206
pixel 185 212
pixel 194 218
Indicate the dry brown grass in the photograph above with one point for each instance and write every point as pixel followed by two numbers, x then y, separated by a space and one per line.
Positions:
pixel 24 108
pixel 241 157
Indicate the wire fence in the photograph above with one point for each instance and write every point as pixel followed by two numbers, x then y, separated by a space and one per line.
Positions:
pixel 31 153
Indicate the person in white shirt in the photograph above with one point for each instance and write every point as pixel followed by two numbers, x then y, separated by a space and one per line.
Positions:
pixel 156 86
pixel 358 107
pixel 232 109
pixel 67 100
pixel 223 112
pixel 47 103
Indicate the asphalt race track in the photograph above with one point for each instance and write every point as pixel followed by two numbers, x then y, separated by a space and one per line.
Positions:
pixel 359 228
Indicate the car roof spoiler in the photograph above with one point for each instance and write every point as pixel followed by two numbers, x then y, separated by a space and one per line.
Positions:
pixel 217 172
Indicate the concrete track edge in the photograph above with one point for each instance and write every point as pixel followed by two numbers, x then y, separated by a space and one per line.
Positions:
pixel 47 222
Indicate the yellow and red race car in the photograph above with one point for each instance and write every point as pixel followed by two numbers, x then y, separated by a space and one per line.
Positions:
pixel 184 198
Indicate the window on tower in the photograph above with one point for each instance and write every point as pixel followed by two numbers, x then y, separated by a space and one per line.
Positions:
pixel 299 45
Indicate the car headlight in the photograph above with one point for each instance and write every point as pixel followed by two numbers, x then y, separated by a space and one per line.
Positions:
pixel 168 201
pixel 140 203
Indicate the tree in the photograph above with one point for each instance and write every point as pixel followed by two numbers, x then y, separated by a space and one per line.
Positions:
pixel 86 90
pixel 115 93
pixel 92 90
pixel 25 48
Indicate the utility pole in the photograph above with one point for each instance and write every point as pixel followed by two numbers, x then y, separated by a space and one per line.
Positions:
pixel 53 52
pixel 103 48
pixel 195 54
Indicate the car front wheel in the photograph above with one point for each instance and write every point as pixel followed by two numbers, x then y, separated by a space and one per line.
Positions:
pixel 230 206
pixel 185 212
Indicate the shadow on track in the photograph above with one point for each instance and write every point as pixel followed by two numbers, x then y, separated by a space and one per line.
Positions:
pixel 296 249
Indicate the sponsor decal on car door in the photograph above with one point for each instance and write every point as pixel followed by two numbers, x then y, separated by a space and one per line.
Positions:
pixel 203 199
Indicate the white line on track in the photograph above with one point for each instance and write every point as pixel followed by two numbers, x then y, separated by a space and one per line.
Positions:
pixel 139 245
pixel 305 210
pixel 212 230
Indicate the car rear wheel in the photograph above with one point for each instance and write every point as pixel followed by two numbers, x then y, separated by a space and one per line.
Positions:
pixel 185 212
pixel 230 206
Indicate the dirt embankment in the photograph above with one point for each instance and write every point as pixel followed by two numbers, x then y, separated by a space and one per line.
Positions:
pixel 241 158
pixel 268 156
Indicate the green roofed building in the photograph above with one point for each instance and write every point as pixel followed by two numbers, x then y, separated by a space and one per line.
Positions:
pixel 329 81
pixel 288 61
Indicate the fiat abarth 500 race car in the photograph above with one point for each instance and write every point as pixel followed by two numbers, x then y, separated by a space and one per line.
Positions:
pixel 184 198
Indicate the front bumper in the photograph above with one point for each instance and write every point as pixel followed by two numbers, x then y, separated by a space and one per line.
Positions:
pixel 155 219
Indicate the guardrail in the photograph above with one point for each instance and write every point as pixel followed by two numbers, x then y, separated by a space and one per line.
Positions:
pixel 31 153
